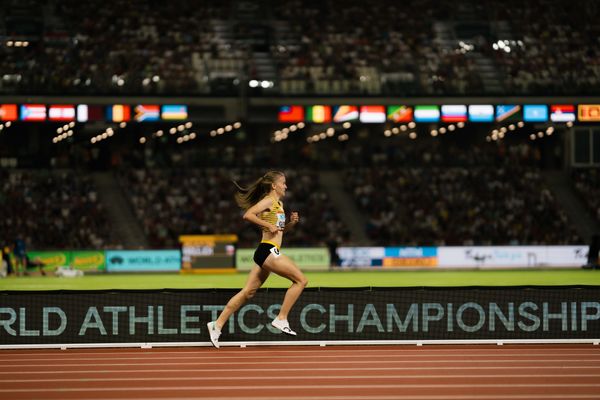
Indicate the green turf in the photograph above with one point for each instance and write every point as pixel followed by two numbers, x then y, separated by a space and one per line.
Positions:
pixel 316 279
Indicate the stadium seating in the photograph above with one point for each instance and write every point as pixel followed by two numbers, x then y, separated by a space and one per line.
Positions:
pixel 506 205
pixel 52 210
pixel 586 182
pixel 328 47
pixel 200 201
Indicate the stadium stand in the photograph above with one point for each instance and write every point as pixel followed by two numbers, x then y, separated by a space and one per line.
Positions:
pixel 328 47
pixel 200 201
pixel 323 48
pixel 586 182
pixel 56 209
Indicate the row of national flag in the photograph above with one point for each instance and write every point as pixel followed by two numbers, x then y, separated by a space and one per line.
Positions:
pixel 84 112
pixel 444 113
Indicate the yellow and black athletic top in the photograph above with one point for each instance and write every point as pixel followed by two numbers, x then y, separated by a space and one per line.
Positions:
pixel 274 215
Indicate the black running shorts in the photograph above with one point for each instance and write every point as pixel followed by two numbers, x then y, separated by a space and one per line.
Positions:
pixel 263 251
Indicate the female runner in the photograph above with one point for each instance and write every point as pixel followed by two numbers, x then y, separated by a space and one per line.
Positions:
pixel 263 206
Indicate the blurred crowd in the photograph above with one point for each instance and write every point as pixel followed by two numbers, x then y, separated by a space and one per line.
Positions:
pixel 52 210
pixel 170 202
pixel 586 182
pixel 508 205
pixel 417 47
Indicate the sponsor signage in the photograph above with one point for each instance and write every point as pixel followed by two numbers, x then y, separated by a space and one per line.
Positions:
pixel 143 260
pixel 464 256
pixel 320 314
pixel 87 261
pixel 512 256
pixel 361 257
pixel 307 259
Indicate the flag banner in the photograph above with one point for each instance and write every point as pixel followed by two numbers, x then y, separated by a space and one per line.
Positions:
pixel 400 113
pixel 33 112
pixel 454 113
pixel 588 112
pixel 481 113
pixel 8 112
pixel 345 113
pixel 119 113
pixel 176 112
pixel 146 113
pixel 535 113
pixel 372 114
pixel 291 114
pixel 427 114
pixel 318 114
pixel 509 112
pixel 61 113
pixel 562 113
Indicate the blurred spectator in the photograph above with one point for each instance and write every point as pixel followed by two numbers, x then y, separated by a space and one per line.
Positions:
pixel 51 210
pixel 586 182
pixel 458 206
pixel 170 203
pixel 317 47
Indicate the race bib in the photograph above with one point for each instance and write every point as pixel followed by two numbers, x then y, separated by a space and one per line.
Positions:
pixel 280 220
pixel 275 251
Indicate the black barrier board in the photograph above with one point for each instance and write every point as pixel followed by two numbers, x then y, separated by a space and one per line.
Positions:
pixel 376 314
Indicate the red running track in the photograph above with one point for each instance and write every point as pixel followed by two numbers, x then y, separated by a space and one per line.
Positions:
pixel 300 373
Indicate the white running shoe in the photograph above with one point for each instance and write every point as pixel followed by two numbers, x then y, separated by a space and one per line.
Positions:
pixel 214 333
pixel 283 325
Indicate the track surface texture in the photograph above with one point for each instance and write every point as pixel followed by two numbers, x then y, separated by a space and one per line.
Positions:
pixel 440 372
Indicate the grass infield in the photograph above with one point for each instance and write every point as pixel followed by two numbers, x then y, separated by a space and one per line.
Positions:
pixel 316 279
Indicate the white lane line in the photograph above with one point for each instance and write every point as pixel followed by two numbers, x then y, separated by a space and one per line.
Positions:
pixel 507 349
pixel 366 368
pixel 227 356
pixel 384 397
pixel 369 361
pixel 295 376
pixel 309 387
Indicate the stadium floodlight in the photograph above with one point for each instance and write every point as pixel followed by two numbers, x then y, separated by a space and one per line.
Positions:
pixel 253 83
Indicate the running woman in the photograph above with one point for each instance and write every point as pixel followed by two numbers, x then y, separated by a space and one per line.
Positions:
pixel 263 207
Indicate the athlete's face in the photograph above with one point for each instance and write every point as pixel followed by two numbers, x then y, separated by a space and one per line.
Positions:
pixel 279 186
